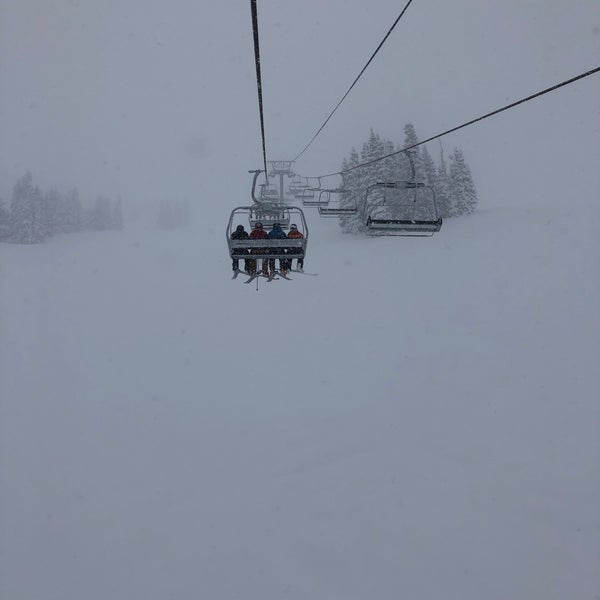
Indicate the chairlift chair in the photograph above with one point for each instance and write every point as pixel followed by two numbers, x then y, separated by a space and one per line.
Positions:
pixel 307 196
pixel 335 211
pixel 410 214
pixel 268 193
pixel 268 214
pixel 296 187
pixel 265 248
pixel 321 200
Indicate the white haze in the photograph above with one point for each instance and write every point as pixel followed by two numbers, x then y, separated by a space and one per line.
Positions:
pixel 149 101
pixel 420 420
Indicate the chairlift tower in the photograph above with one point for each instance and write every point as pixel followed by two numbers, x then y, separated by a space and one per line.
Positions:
pixel 281 168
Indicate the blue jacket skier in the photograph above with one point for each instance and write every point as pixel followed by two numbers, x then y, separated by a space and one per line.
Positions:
pixel 277 233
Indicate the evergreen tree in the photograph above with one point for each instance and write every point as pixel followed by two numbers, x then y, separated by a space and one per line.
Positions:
pixel 117 215
pixel 186 212
pixel 165 219
pixel 71 213
pixel 371 173
pixel 181 214
pixel 173 215
pixel 25 209
pixel 100 218
pixel 398 161
pixel 410 139
pixel 4 222
pixel 52 204
pixel 464 195
pixel 372 149
pixel 351 196
pixel 454 192
pixel 443 192
pixel 40 227
pixel 429 169
pixel 392 166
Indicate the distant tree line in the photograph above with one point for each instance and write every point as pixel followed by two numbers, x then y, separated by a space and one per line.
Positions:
pixel 453 185
pixel 34 215
pixel 173 215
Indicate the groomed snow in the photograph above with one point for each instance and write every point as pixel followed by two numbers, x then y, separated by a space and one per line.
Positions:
pixel 418 421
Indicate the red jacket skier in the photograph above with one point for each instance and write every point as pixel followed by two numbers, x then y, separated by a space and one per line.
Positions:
pixel 258 233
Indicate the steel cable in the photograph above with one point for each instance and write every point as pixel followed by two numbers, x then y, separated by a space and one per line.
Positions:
pixel 314 137
pixel 490 114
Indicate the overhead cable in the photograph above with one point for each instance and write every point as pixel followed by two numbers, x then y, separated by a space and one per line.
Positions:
pixel 354 82
pixel 495 112
pixel 254 10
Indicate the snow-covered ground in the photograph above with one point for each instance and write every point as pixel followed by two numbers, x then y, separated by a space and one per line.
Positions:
pixel 419 421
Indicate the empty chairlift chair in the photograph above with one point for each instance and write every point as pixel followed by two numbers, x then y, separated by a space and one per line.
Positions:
pixel 321 200
pixel 401 208
pixel 309 194
pixel 336 211
pixel 296 187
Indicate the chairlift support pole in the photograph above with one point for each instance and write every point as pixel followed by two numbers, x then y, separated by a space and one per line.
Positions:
pixel 281 168
pixel 256 172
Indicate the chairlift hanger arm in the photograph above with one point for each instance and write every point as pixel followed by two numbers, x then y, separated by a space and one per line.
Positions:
pixel 256 172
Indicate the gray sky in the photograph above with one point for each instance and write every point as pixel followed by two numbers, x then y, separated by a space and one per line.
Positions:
pixel 150 99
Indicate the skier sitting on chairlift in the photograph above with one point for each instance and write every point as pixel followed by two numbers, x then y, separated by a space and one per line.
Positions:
pixel 239 234
pixel 258 233
pixel 295 235
pixel 277 233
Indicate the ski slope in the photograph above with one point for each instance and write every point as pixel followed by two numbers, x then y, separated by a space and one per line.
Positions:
pixel 419 421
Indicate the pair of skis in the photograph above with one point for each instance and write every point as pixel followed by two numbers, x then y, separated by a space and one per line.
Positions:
pixel 274 276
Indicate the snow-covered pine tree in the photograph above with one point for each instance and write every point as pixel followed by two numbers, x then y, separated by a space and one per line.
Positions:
pixel 399 162
pixel 100 217
pixel 165 219
pixel 51 207
pixel 351 195
pixel 431 179
pixel 25 208
pixel 41 227
pixel 180 213
pixel 417 204
pixel 4 222
pixel 376 148
pixel 21 209
pixel 429 169
pixel 117 214
pixel 371 173
pixel 410 139
pixel 464 194
pixel 186 212
pixel 391 165
pixel 443 192
pixel 71 213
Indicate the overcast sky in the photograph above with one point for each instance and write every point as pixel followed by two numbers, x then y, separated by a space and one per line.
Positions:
pixel 151 99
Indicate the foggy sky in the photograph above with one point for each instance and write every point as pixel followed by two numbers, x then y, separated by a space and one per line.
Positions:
pixel 151 100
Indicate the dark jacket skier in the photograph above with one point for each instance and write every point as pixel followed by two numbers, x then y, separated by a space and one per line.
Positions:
pixel 239 234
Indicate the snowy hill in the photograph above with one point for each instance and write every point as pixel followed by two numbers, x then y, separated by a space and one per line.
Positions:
pixel 418 421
